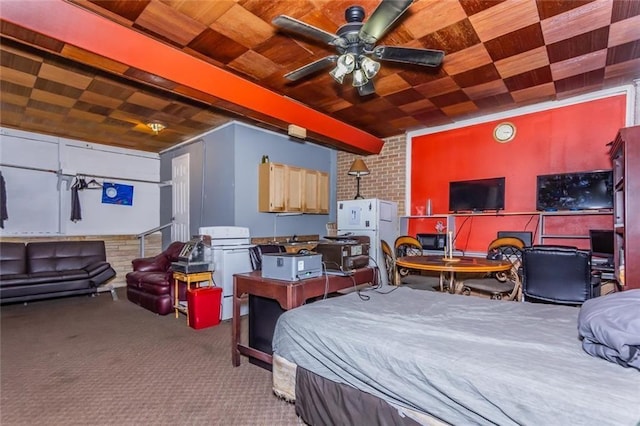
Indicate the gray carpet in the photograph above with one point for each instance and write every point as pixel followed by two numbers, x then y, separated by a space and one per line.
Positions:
pixel 95 361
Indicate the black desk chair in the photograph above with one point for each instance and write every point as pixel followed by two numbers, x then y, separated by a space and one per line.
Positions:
pixel 558 274
pixel 256 252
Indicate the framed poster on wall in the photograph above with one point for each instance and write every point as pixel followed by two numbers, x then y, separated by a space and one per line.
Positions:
pixel 115 193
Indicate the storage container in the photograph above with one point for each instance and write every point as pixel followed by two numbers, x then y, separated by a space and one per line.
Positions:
pixel 203 305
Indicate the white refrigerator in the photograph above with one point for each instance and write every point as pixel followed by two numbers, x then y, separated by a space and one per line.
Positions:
pixel 374 218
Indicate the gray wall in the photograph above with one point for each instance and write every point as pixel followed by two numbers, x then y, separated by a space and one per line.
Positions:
pixel 224 180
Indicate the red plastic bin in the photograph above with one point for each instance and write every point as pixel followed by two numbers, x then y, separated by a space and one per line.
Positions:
pixel 203 305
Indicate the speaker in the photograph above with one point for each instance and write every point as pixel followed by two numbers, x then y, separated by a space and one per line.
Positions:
pixel 432 241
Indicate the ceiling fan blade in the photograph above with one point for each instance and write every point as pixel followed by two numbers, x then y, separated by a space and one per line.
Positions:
pixel 408 55
pixel 290 24
pixel 382 18
pixel 311 68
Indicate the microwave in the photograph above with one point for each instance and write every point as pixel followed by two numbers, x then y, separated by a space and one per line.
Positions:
pixel 432 241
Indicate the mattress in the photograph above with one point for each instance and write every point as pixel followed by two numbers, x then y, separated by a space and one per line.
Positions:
pixel 460 359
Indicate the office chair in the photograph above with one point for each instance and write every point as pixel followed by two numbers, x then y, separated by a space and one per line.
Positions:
pixel 558 274
pixel 256 252
pixel 501 285
pixel 406 245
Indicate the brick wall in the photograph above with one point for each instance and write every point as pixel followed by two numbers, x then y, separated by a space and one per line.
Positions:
pixel 387 178
pixel 121 249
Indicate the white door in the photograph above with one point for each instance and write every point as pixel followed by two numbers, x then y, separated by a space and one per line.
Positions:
pixel 180 203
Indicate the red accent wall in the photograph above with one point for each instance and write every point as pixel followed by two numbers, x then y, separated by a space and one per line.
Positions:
pixel 573 138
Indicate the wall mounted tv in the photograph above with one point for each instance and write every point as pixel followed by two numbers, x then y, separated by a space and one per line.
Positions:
pixel 575 191
pixel 476 195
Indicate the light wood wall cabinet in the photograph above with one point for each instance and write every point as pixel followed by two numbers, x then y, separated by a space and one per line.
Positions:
pixel 294 199
pixel 625 156
pixel 316 191
pixel 290 189
pixel 272 187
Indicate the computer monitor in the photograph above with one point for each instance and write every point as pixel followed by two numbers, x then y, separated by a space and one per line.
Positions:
pixel 601 243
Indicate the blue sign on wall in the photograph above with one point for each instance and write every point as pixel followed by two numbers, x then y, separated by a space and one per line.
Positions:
pixel 115 193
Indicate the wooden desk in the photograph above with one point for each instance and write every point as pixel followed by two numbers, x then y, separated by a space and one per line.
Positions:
pixel 289 294
pixel 451 267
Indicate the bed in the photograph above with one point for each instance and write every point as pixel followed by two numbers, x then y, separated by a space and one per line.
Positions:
pixel 404 356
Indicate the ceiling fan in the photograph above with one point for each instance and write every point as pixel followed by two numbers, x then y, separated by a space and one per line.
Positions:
pixel 355 43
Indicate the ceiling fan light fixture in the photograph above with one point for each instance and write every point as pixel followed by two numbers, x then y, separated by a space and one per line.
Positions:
pixel 367 89
pixel 369 66
pixel 355 43
pixel 345 65
pixel 337 74
pixel 359 78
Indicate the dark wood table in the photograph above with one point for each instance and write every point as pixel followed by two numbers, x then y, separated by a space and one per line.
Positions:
pixel 451 266
pixel 289 294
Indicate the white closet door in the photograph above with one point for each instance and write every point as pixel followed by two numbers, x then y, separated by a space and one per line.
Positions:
pixel 180 204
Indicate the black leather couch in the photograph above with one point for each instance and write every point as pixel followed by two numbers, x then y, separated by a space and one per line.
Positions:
pixel 42 270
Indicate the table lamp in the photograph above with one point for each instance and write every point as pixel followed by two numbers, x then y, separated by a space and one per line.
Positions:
pixel 358 169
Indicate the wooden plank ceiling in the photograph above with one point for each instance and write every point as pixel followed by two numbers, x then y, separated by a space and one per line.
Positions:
pixel 499 55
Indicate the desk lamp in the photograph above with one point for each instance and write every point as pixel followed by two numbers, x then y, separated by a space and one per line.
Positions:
pixel 358 169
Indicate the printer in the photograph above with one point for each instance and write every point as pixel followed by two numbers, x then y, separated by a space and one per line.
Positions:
pixel 194 256
pixel 291 266
pixel 344 254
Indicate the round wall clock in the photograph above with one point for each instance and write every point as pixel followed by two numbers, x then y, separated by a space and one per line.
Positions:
pixel 504 132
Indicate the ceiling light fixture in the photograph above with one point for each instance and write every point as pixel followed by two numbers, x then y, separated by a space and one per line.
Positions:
pixel 369 66
pixel 359 78
pixel 363 69
pixel 345 65
pixel 156 126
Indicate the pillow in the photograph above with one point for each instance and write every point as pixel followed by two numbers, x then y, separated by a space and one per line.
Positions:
pixel 610 327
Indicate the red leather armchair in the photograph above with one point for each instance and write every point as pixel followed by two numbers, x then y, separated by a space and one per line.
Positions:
pixel 150 284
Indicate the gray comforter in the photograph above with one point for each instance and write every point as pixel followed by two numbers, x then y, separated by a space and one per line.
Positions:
pixel 610 327
pixel 461 359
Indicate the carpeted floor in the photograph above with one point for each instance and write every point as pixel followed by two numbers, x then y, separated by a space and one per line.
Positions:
pixel 95 361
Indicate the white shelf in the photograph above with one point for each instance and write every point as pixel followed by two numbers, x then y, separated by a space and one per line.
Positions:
pixel 436 216
pixel 503 213
pixel 450 218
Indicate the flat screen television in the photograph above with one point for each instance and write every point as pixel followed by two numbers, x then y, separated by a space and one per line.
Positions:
pixel 575 191
pixel 476 195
